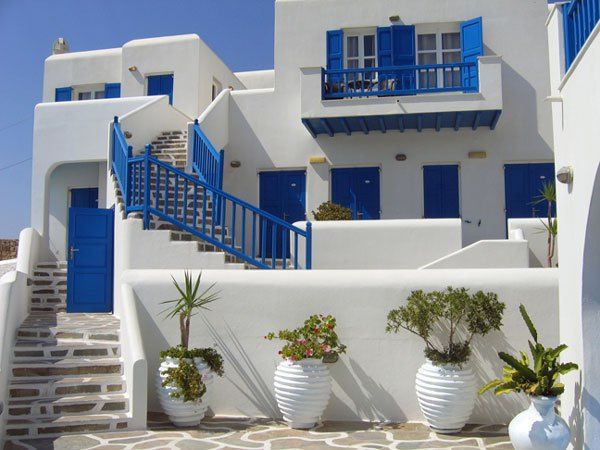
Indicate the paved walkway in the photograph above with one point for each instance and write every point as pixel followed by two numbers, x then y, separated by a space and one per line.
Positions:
pixel 224 433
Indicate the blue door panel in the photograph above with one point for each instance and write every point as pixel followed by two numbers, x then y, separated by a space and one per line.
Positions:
pixel 522 186
pixel 84 198
pixel 282 194
pixel 63 94
pixel 357 188
pixel 161 85
pixel 90 265
pixel 471 39
pixel 112 90
pixel 441 192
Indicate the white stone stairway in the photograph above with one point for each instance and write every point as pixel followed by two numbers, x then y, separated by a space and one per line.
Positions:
pixel 67 372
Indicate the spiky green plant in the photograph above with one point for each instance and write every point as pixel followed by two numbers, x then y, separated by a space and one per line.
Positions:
pixel 189 303
pixel 539 380
pixel 548 196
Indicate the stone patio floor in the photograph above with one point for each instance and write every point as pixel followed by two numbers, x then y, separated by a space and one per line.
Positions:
pixel 233 433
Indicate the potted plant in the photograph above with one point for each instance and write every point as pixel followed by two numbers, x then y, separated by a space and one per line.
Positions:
pixel 302 383
pixel 538 427
pixel 185 375
pixel 446 386
pixel 548 196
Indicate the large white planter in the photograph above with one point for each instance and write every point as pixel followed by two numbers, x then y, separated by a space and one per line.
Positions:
pixel 446 396
pixel 302 390
pixel 539 428
pixel 183 414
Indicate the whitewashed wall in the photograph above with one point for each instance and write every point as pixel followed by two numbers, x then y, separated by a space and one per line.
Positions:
pixel 537 238
pixel 375 380
pixel 576 108
pixel 486 254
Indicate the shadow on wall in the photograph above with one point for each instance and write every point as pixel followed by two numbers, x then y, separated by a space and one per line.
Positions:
pixel 590 315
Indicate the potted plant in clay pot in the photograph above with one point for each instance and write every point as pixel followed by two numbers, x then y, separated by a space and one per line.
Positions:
pixel 302 382
pixel 446 386
pixel 185 374
pixel 538 427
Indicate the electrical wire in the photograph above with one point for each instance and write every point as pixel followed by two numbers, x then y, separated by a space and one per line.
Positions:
pixel 14 164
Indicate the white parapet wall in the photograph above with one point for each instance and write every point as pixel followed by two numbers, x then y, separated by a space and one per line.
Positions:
pixel 536 235
pixel 382 244
pixel 375 379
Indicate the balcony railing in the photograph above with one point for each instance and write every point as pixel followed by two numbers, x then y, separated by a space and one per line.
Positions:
pixel 580 18
pixel 399 80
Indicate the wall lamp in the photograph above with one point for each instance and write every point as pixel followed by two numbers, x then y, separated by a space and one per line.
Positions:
pixel 133 69
pixel 235 164
pixel 565 175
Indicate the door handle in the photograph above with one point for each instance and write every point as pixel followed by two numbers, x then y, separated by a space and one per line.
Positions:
pixel 72 251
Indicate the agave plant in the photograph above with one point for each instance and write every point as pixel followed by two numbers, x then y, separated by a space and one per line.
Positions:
pixel 539 380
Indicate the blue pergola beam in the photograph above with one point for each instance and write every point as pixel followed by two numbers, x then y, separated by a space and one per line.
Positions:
pixel 457 122
pixel 345 126
pixel 495 120
pixel 438 121
pixel 401 124
pixel 382 124
pixel 420 123
pixel 363 125
pixel 310 128
pixel 327 127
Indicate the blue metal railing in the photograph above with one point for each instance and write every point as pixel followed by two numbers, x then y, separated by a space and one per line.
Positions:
pixel 400 80
pixel 207 162
pixel 158 189
pixel 580 17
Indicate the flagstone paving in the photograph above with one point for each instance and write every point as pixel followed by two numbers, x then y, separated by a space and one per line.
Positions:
pixel 233 433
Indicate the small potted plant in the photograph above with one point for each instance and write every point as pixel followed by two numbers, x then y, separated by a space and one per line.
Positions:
pixel 538 427
pixel 446 386
pixel 185 375
pixel 328 211
pixel 302 383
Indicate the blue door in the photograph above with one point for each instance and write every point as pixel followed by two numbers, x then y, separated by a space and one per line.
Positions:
pixel 84 198
pixel 90 260
pixel 282 194
pixel 441 192
pixel 522 186
pixel 357 188
pixel 161 85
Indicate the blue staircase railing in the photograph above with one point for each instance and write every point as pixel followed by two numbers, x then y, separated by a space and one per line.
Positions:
pixel 158 189
pixel 580 18
pixel 207 162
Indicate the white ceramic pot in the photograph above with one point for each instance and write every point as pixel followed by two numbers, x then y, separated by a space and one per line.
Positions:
pixel 539 428
pixel 183 414
pixel 302 390
pixel 446 396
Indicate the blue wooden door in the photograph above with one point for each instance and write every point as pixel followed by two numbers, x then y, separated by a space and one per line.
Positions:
pixel 84 198
pixel 357 188
pixel 161 85
pixel 90 260
pixel 282 194
pixel 441 192
pixel 522 186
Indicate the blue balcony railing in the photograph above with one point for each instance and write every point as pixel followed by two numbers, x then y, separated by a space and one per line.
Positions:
pixel 580 18
pixel 399 80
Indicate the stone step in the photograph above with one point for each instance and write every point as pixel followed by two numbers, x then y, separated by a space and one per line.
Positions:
pixel 40 274
pixel 49 290
pixel 46 407
pixel 51 265
pixel 33 388
pixel 63 348
pixel 56 426
pixel 78 326
pixel 48 308
pixel 53 367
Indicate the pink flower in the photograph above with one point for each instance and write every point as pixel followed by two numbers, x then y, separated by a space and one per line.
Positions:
pixel 326 348
pixel 309 352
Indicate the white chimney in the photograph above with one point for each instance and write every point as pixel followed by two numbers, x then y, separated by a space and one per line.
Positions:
pixel 60 46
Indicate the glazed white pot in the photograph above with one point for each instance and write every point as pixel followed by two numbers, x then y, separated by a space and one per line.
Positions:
pixel 539 428
pixel 302 390
pixel 446 395
pixel 183 414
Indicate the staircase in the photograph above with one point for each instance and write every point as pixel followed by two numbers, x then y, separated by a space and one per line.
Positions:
pixel 67 372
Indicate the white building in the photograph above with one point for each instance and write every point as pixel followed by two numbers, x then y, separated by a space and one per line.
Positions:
pixel 427 119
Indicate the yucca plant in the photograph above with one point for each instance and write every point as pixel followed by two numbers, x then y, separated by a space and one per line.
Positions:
pixel 539 380
pixel 189 303
pixel 548 196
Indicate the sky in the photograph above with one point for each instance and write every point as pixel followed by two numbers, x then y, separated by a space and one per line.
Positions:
pixel 239 31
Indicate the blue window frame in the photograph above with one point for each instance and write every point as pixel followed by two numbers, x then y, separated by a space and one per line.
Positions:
pixel 441 192
pixel 161 85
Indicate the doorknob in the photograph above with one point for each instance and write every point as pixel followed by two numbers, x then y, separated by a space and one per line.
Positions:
pixel 72 251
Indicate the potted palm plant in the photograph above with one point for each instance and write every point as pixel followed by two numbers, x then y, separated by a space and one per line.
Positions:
pixel 538 427
pixel 302 383
pixel 445 384
pixel 548 197
pixel 185 374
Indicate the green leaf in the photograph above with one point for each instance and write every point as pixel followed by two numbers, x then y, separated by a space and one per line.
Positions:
pixel 492 384
pixel 528 322
pixel 507 388
pixel 521 368
pixel 567 367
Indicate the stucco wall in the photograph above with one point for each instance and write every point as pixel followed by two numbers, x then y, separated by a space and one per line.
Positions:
pixel 375 380
pixel 536 236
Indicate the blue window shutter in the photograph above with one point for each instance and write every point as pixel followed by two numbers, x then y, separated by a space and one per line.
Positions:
pixel 167 86
pixel 63 94
pixel 335 53
pixel 112 90
pixel 404 54
pixel 384 46
pixel 440 189
pixel 471 40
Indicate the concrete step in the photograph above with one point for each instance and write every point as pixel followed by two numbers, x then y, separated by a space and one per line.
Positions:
pixel 48 407
pixel 39 387
pixel 56 426
pixel 55 367
pixel 51 265
pixel 63 348
pixel 78 326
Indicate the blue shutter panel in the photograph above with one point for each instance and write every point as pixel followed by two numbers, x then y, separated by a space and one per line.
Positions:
pixel 63 94
pixel 112 90
pixel 335 53
pixel 471 40
pixel 441 195
pixel 450 194
pixel 384 46
pixel 404 54
pixel 167 86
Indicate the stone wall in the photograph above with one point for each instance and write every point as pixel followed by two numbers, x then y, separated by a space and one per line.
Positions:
pixel 8 248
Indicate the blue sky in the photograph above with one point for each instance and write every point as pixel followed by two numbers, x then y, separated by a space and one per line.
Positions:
pixel 239 31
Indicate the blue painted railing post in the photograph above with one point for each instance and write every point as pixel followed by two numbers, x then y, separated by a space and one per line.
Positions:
pixel 114 138
pixel 147 155
pixel 308 245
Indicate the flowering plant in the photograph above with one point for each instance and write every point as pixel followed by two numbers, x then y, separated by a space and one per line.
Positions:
pixel 315 339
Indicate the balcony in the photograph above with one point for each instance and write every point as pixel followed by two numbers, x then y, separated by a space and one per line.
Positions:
pixel 455 96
